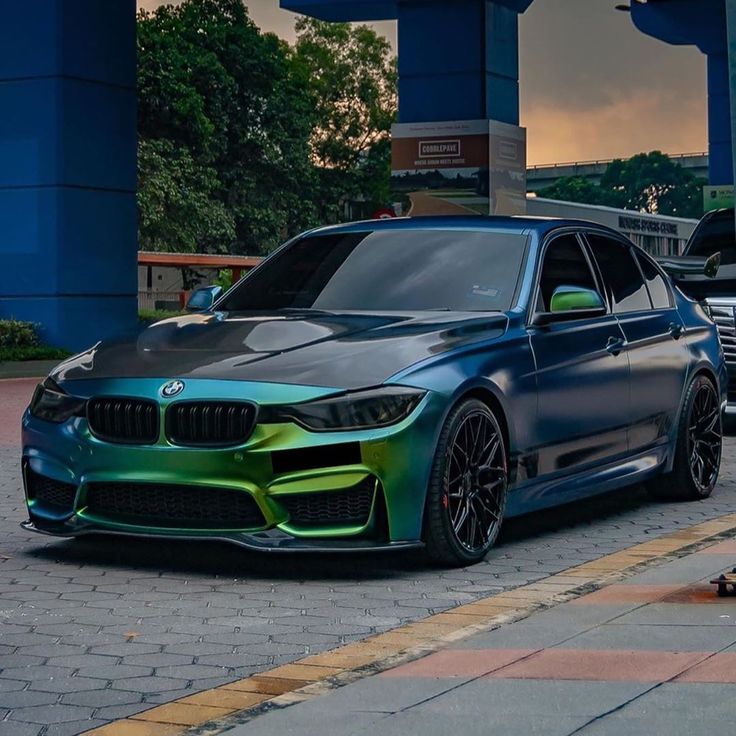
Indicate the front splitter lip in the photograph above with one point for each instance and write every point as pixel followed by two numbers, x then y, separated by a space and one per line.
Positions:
pixel 273 541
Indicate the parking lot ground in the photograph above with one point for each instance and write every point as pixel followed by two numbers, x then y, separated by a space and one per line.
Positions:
pixel 94 631
pixel 654 654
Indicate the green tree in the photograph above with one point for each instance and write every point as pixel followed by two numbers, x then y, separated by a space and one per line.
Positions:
pixel 648 182
pixel 573 189
pixel 353 78
pixel 236 102
pixel 652 182
pixel 177 207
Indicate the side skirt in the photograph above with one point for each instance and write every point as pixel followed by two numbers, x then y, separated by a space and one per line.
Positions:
pixel 556 491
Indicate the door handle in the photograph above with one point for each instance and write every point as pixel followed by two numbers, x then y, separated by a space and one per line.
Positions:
pixel 615 345
pixel 676 330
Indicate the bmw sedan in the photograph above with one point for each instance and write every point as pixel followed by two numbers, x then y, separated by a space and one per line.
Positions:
pixel 386 385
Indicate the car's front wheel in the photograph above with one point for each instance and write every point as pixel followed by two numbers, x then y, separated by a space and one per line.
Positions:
pixel 467 490
pixel 698 448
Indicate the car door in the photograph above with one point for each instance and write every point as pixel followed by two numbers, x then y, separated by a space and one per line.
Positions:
pixel 658 354
pixel 582 371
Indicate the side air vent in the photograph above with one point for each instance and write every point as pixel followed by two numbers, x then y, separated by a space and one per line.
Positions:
pixel 347 507
pixel 53 495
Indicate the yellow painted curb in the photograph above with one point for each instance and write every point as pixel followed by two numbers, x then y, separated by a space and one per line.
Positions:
pixel 318 673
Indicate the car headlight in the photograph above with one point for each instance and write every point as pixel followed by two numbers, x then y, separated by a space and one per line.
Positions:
pixel 52 404
pixel 378 407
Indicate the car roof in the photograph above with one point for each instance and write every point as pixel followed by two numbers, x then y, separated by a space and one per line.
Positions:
pixel 518 224
pixel 721 214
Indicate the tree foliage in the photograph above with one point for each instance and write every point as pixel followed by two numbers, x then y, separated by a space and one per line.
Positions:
pixel 178 206
pixel 233 101
pixel 647 182
pixel 246 140
pixel 652 182
pixel 353 77
pixel 574 189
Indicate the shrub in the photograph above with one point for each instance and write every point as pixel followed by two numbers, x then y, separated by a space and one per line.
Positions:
pixel 16 334
pixel 156 315
pixel 32 353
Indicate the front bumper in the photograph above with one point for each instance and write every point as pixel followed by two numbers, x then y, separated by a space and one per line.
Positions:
pixel 278 464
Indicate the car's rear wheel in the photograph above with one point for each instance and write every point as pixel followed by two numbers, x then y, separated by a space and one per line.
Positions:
pixel 698 449
pixel 468 485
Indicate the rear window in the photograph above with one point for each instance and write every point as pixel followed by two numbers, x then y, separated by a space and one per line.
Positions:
pixel 656 284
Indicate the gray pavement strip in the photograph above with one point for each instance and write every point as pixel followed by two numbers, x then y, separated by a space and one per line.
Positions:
pixel 150 621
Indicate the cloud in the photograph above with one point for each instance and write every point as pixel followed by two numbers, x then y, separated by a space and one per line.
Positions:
pixel 640 122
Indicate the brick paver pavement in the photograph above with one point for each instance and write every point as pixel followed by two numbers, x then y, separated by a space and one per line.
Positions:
pixel 654 655
pixel 95 630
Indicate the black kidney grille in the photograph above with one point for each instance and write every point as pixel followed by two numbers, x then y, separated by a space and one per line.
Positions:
pixel 167 505
pixel 50 493
pixel 210 423
pixel 124 421
pixel 349 507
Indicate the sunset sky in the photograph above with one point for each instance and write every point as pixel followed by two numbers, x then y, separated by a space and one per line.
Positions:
pixel 592 87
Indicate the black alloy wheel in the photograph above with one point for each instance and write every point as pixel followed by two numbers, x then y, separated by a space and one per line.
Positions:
pixel 698 448
pixel 705 437
pixel 467 495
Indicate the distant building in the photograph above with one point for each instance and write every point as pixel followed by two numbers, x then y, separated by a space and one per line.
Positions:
pixel 657 234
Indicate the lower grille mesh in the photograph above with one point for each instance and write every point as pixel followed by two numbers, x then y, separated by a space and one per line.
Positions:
pixel 350 507
pixel 164 505
pixel 50 493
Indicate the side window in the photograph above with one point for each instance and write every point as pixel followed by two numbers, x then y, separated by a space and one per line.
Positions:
pixel 621 274
pixel 658 290
pixel 564 264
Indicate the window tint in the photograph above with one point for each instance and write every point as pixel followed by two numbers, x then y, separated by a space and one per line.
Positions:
pixel 658 290
pixel 564 264
pixel 391 270
pixel 622 276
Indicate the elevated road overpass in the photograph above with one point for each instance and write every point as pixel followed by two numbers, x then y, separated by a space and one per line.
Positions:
pixel 543 175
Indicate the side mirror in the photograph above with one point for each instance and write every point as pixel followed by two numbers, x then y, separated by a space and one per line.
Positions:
pixel 201 300
pixel 571 302
pixel 573 298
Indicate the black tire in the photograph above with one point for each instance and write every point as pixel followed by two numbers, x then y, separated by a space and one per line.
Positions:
pixel 466 498
pixel 698 448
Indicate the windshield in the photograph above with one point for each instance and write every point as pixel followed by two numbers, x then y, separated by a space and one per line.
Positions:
pixel 716 235
pixel 396 270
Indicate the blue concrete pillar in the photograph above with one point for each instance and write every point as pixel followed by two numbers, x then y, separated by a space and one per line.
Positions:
pixel 68 167
pixel 458 61
pixel 731 40
pixel 720 147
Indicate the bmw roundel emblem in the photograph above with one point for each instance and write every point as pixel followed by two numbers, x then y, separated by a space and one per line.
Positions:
pixel 172 388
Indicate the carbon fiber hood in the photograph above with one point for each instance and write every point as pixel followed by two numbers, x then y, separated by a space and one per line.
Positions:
pixel 339 350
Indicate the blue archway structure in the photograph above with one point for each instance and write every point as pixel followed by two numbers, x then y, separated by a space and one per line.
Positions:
pixel 68 128
pixel 701 23
pixel 458 60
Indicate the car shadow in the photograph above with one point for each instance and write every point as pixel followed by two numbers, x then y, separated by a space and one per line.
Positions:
pixel 207 559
